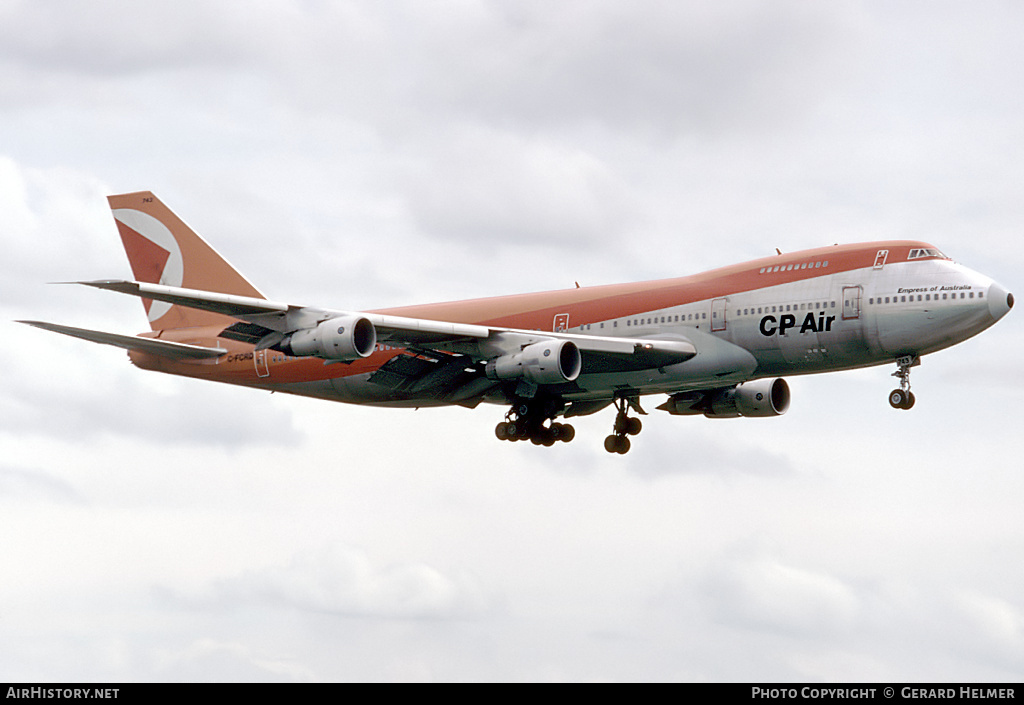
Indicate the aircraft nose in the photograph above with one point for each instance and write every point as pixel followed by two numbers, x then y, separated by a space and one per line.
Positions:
pixel 1000 301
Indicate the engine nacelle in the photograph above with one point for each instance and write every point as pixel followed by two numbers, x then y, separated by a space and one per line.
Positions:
pixel 342 338
pixel 546 362
pixel 763 397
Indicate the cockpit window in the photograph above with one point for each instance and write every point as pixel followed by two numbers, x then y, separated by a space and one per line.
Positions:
pixel 918 253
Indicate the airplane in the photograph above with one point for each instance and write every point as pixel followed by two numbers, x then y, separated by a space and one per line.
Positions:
pixel 718 344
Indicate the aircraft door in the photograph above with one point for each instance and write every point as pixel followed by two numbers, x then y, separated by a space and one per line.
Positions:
pixel 259 359
pixel 718 314
pixel 847 340
pixel 561 323
pixel 851 301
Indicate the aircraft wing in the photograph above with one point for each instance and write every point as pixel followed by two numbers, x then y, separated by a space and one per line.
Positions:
pixel 266 322
pixel 283 318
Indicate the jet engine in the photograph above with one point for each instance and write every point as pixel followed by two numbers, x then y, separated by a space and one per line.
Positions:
pixel 546 362
pixel 343 338
pixel 763 397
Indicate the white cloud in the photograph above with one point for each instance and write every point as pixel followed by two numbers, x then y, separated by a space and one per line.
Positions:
pixel 208 660
pixel 24 485
pixel 987 627
pixel 341 580
pixel 503 193
pixel 762 593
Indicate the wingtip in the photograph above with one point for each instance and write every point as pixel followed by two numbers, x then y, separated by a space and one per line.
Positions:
pixel 110 284
pixel 99 283
pixel 42 325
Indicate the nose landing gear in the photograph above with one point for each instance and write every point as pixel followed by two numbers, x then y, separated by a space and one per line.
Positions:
pixel 903 398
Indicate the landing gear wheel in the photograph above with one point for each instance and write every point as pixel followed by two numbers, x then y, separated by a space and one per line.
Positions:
pixel 562 432
pixel 609 443
pixel 501 431
pixel 617 444
pixel 633 426
pixel 897 399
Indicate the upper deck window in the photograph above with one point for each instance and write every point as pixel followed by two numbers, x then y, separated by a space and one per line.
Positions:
pixel 918 253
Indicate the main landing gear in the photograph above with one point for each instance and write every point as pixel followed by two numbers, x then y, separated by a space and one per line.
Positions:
pixel 903 398
pixel 534 420
pixel 625 426
pixel 526 419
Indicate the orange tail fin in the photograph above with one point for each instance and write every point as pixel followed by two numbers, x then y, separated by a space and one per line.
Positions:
pixel 163 250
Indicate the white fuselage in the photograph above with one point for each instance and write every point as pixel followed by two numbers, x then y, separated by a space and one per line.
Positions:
pixel 837 321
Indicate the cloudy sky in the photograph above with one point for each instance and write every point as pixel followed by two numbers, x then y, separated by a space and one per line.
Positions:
pixel 366 154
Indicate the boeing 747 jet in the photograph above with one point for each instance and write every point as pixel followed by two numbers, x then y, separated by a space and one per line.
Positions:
pixel 716 344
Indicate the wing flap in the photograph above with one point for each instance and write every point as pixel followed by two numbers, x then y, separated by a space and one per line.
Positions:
pixel 163 348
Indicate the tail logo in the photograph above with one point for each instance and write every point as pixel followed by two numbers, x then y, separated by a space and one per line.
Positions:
pixel 153 252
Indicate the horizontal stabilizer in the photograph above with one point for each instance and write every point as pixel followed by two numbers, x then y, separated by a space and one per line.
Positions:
pixel 164 348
